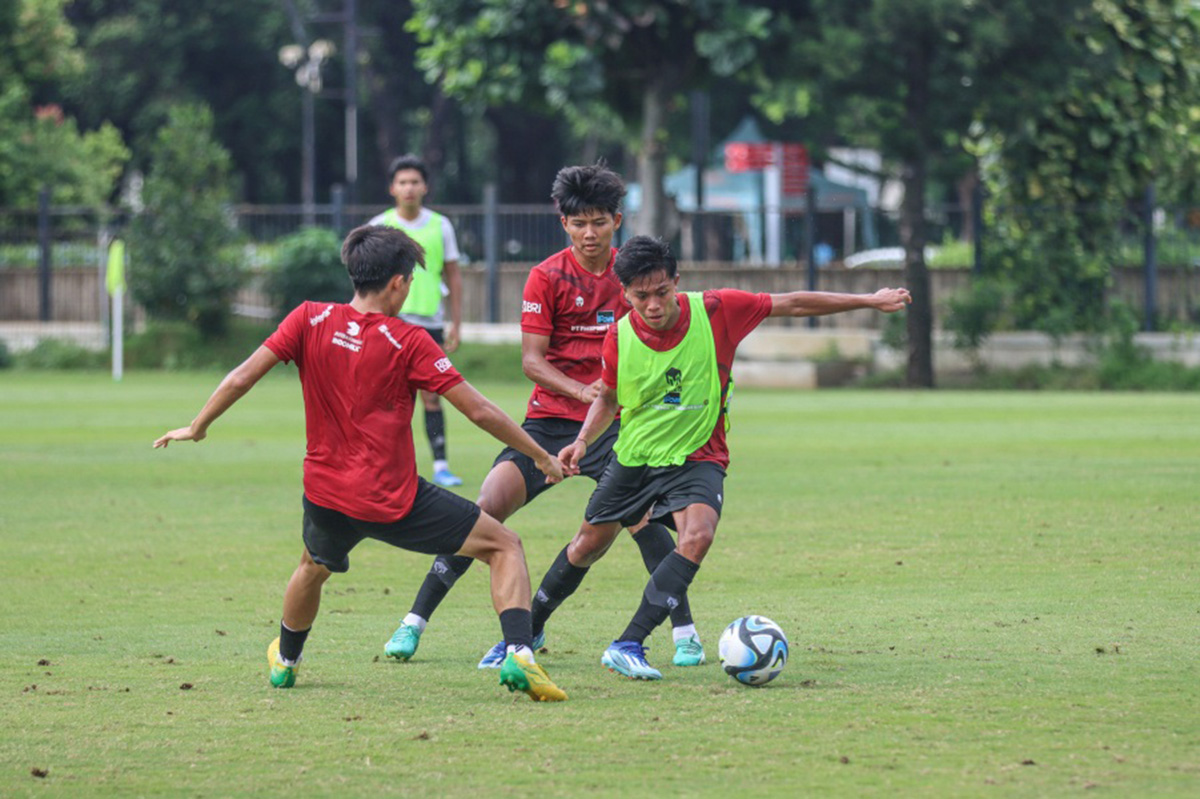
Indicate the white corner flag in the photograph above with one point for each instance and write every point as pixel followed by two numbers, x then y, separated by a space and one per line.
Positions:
pixel 114 281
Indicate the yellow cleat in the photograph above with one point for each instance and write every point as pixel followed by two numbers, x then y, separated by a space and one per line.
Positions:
pixel 519 674
pixel 282 675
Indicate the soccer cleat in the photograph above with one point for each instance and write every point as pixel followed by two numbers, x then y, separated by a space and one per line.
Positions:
pixel 494 658
pixel 688 652
pixel 404 642
pixel 629 658
pixel 282 675
pixel 519 674
pixel 446 478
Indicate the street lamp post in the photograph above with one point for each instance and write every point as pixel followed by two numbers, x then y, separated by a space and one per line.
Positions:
pixel 306 62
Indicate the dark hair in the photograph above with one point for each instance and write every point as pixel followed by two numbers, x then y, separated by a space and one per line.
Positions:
pixel 578 189
pixel 641 256
pixel 407 161
pixel 374 254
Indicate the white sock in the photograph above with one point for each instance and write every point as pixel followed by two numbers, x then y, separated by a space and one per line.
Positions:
pixel 439 466
pixel 413 620
pixel 524 652
pixel 686 631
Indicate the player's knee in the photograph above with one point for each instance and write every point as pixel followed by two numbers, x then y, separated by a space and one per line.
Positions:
pixel 587 547
pixel 694 544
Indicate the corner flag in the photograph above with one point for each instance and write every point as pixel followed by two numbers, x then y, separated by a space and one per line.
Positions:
pixel 114 275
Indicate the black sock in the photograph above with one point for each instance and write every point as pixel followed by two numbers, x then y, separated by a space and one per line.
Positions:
pixel 668 583
pixel 515 626
pixel 560 582
pixel 655 542
pixel 291 642
pixel 446 569
pixel 435 428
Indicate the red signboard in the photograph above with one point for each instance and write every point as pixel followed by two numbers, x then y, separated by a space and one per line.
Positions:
pixel 744 156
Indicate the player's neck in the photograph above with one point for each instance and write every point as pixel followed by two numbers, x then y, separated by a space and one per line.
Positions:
pixel 409 213
pixel 375 303
pixel 596 264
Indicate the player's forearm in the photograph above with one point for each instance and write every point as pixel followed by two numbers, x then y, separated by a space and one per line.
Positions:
pixel 233 387
pixel 488 417
pixel 540 371
pixel 819 303
pixel 454 284
pixel 599 416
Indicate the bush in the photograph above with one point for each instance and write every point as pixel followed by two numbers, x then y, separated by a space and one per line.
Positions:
pixel 51 353
pixel 6 359
pixel 308 266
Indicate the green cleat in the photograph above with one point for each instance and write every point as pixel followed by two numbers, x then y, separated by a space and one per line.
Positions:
pixel 688 652
pixel 282 675
pixel 404 642
pixel 519 674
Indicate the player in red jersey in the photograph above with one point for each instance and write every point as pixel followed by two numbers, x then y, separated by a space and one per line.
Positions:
pixel 360 369
pixel 570 301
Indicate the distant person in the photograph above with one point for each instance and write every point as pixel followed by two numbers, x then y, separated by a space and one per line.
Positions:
pixel 408 183
pixel 360 369
pixel 570 301
pixel 667 370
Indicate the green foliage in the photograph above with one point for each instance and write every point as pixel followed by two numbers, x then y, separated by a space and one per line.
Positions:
pixel 6 357
pixel 179 345
pixel 307 266
pixel 52 353
pixel 40 145
pixel 977 312
pixel 182 264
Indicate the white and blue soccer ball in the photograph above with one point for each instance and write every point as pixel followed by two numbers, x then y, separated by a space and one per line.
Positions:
pixel 753 650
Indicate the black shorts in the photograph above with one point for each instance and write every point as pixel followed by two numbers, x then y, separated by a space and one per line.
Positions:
pixel 552 435
pixel 625 493
pixel 438 524
pixel 437 334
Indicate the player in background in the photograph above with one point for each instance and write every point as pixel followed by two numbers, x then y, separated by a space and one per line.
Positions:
pixel 360 369
pixel 408 183
pixel 569 303
pixel 667 365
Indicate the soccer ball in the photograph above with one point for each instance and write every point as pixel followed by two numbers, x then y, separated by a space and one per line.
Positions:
pixel 753 650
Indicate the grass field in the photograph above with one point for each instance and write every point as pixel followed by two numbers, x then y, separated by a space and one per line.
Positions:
pixel 986 594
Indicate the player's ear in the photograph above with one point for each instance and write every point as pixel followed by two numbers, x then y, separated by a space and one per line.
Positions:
pixel 617 220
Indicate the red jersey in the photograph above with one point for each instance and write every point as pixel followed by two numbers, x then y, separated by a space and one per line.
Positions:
pixel 360 373
pixel 575 308
pixel 733 314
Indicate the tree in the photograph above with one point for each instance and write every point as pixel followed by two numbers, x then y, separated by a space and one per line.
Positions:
pixel 910 78
pixel 39 144
pixel 182 262
pixel 624 58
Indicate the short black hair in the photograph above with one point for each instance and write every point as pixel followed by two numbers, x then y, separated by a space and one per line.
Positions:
pixel 642 256
pixel 578 189
pixel 374 254
pixel 407 161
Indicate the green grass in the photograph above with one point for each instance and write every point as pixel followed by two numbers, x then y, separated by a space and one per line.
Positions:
pixel 990 594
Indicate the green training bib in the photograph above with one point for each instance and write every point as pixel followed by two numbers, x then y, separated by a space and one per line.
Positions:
pixel 425 296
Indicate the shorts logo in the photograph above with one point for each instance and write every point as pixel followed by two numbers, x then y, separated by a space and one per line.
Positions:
pixel 605 317
pixel 579 302
pixel 442 364
pixel 530 307
pixel 674 379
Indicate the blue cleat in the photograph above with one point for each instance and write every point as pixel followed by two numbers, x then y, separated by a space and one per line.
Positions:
pixel 495 656
pixel 446 478
pixel 629 658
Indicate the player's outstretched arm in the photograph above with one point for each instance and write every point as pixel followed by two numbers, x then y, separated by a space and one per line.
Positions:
pixel 534 347
pixel 822 303
pixel 231 389
pixel 600 415
pixel 487 416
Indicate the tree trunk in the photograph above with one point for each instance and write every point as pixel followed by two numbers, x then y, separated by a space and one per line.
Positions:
pixel 529 153
pixel 652 156
pixel 919 322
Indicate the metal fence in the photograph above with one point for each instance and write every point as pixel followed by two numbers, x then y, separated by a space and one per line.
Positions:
pixel 52 259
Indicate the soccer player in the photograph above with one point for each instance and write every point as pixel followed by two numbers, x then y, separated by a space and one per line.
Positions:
pixel 667 365
pixel 408 183
pixel 360 369
pixel 570 301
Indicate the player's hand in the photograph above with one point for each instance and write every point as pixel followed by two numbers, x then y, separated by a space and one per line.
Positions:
pixel 181 434
pixel 572 455
pixel 451 338
pixel 891 300
pixel 552 468
pixel 587 394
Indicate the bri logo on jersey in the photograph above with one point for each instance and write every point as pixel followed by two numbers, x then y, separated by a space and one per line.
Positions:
pixel 530 307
